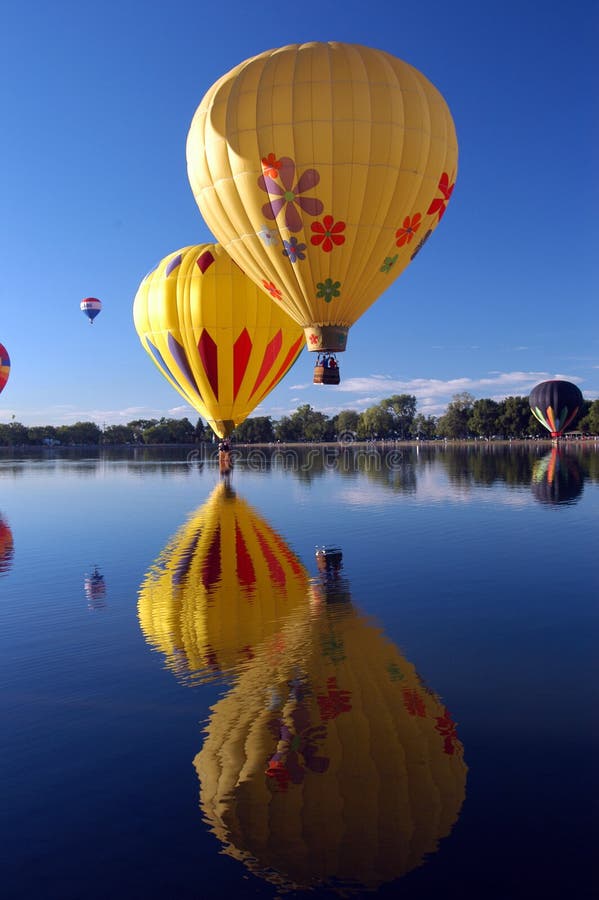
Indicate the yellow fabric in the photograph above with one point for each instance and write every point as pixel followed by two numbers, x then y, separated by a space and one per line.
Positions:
pixel 382 142
pixel 366 770
pixel 223 584
pixel 220 342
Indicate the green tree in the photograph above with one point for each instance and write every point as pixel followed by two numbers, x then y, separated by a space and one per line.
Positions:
pixel 80 433
pixel 454 424
pixel 375 423
pixel 589 423
pixel 118 434
pixel 13 434
pixel 515 418
pixel 425 427
pixel 484 418
pixel 345 423
pixel 402 408
pixel 39 434
pixel 256 430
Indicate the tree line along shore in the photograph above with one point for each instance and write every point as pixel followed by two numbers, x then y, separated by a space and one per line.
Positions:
pixel 395 418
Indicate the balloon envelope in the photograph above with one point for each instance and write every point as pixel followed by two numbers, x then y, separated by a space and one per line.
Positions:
pixel 323 168
pixel 213 334
pixel 4 367
pixel 223 584
pixel 330 763
pixel 91 306
pixel 555 404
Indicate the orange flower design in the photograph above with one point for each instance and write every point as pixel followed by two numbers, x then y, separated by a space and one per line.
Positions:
pixel 271 165
pixel 410 227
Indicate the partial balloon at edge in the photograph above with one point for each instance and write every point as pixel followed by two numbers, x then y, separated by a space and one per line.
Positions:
pixel 7 546
pixel 4 367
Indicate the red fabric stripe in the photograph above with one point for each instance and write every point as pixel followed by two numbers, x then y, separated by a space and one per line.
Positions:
pixel 274 566
pixel 245 567
pixel 211 568
pixel 242 349
pixel 284 367
pixel 209 355
pixel 270 355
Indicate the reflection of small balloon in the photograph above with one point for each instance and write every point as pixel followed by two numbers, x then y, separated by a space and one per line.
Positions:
pixel 213 334
pixel 95 589
pixel 91 307
pixel 323 168
pixel 557 478
pixel 6 546
pixel 221 586
pixel 329 763
pixel 555 404
pixel 4 367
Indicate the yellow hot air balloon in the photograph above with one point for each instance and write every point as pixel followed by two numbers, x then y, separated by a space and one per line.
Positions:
pixel 213 334
pixel 322 168
pixel 330 763
pixel 222 585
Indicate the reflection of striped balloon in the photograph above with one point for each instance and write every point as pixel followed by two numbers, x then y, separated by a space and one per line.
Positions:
pixel 330 762
pixel 557 478
pixel 6 546
pixel 221 586
pixel 4 366
pixel 215 336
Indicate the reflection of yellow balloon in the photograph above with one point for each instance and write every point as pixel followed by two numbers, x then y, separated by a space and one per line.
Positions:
pixel 220 587
pixel 322 169
pixel 213 334
pixel 330 762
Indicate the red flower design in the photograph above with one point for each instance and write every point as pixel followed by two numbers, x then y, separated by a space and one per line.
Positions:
pixel 271 165
pixel 446 727
pixel 327 233
pixel 439 205
pixel 272 290
pixel 334 703
pixel 314 339
pixel 414 703
pixel 410 227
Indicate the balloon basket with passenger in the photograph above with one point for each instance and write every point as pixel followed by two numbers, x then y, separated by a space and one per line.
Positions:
pixel 326 370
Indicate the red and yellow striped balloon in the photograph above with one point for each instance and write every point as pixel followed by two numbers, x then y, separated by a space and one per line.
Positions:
pixel 213 334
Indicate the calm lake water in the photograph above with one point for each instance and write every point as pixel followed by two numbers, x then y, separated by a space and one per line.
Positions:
pixel 337 673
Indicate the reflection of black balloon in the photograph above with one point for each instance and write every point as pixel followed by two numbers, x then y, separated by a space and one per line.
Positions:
pixel 557 478
pixel 555 404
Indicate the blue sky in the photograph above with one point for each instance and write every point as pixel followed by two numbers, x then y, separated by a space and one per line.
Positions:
pixel 96 102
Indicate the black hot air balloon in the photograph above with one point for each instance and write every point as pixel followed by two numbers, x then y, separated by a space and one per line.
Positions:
pixel 555 404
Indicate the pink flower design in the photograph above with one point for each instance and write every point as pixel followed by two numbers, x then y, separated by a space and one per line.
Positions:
pixel 287 194
pixel 272 290
pixel 410 227
pixel 439 205
pixel 327 233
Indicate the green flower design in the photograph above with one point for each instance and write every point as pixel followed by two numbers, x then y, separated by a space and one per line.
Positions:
pixel 389 261
pixel 328 289
pixel 333 648
pixel 395 672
